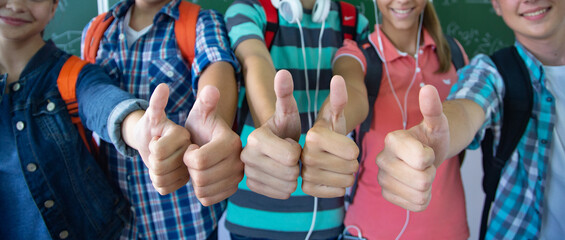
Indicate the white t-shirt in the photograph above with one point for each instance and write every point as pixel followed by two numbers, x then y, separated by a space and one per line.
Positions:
pixel 132 35
pixel 553 219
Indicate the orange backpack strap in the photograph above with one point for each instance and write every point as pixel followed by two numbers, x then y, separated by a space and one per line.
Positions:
pixel 94 35
pixel 185 29
pixel 66 83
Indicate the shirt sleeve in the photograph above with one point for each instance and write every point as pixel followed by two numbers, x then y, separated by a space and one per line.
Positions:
pixel 103 106
pixel 350 49
pixel 212 44
pixel 245 20
pixel 481 83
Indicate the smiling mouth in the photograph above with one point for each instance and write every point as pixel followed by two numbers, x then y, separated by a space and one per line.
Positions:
pixel 401 11
pixel 536 13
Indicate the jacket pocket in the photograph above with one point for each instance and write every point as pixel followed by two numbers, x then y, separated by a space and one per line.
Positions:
pixel 53 120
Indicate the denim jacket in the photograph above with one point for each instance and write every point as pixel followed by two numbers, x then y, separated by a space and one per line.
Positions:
pixel 70 190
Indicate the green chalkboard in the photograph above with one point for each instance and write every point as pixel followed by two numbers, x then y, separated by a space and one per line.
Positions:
pixel 473 22
pixel 65 29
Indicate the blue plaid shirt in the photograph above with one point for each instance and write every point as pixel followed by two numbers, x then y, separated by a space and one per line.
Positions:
pixel 518 205
pixel 154 59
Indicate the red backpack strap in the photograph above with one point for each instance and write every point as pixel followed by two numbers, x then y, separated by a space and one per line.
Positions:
pixel 94 35
pixel 66 82
pixel 185 29
pixel 272 22
pixel 348 15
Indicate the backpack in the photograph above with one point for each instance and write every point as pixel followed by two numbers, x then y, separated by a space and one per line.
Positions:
pixel 517 110
pixel 185 32
pixel 66 83
pixel 347 13
pixel 373 84
pixel 185 28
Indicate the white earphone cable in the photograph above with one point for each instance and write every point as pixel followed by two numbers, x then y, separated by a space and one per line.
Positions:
pixel 305 72
pixel 318 70
pixel 403 108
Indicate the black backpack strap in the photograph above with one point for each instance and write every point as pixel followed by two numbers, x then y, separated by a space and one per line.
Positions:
pixel 456 54
pixel 373 78
pixel 517 109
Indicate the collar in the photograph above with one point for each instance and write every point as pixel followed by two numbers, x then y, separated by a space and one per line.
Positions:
pixel 535 67
pixel 170 9
pixel 44 55
pixel 390 51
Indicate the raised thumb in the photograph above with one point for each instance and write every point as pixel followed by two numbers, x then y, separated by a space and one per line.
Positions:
pixel 206 102
pixel 284 87
pixel 431 107
pixel 158 102
pixel 338 99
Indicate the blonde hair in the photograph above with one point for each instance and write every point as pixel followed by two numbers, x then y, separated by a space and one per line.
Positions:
pixel 431 23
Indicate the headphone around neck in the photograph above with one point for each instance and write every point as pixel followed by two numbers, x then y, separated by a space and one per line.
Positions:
pixel 291 10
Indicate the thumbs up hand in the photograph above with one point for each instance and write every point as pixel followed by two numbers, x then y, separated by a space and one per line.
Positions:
pixel 161 144
pixel 329 157
pixel 272 151
pixel 213 159
pixel 407 164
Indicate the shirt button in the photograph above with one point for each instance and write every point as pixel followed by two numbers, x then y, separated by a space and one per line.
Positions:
pixel 418 69
pixel 170 74
pixel 20 125
pixel 543 141
pixel 421 51
pixel 50 106
pixel 16 87
pixel 49 203
pixel 549 99
pixel 122 36
pixel 31 167
pixel 422 85
pixel 64 234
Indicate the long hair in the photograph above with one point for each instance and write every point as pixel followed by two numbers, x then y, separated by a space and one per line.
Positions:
pixel 431 23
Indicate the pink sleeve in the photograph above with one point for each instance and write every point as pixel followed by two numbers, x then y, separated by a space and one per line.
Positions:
pixel 350 49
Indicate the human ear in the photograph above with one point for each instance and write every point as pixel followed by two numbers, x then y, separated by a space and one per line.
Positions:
pixel 496 7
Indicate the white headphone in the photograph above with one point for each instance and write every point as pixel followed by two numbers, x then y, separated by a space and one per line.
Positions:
pixel 291 10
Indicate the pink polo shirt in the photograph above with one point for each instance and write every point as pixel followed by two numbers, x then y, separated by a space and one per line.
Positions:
pixel 445 217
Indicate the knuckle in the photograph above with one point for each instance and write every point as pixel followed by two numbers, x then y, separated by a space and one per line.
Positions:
pixel 289 188
pixel 312 137
pixel 352 167
pixel 349 181
pixel 198 180
pixel 292 174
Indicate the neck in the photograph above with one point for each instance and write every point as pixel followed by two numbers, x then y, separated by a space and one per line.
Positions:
pixel 15 55
pixel 308 4
pixel 403 40
pixel 143 13
pixel 550 52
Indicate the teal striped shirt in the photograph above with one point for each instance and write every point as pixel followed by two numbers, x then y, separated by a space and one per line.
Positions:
pixel 253 215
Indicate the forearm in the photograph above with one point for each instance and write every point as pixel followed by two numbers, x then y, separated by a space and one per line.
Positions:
pixel 258 73
pixel 221 75
pixel 129 128
pixel 465 118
